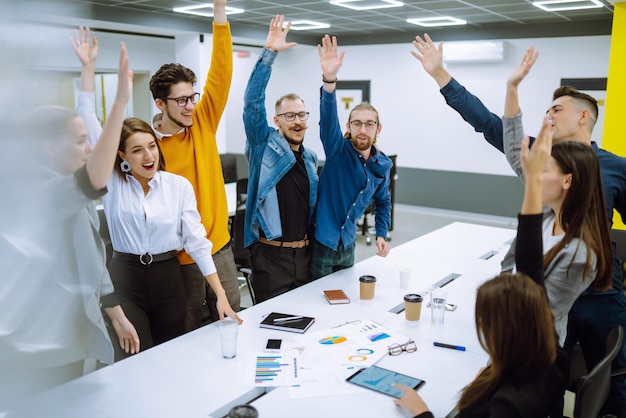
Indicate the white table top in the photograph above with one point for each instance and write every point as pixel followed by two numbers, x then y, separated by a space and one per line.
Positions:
pixel 188 377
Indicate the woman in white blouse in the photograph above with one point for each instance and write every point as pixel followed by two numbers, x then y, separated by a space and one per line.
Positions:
pixel 152 214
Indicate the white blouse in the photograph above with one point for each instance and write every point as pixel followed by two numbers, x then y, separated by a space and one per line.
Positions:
pixel 165 219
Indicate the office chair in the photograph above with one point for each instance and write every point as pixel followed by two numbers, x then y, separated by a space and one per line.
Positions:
pixel 592 390
pixel 242 254
pixel 242 192
pixel 229 167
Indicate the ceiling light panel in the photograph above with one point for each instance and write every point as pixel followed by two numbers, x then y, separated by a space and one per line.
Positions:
pixel 564 5
pixel 308 25
pixel 205 9
pixel 366 4
pixel 437 21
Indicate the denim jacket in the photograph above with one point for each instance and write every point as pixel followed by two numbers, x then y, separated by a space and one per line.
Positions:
pixel 269 158
pixel 348 183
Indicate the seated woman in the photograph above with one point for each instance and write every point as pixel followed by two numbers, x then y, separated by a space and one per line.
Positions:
pixel 528 370
pixel 576 232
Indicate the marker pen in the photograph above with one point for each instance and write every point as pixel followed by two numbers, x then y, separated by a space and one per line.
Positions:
pixel 453 347
pixel 287 319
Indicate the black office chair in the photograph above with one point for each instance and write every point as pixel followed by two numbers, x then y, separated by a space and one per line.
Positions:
pixel 592 390
pixel 242 254
pixel 242 192
pixel 229 167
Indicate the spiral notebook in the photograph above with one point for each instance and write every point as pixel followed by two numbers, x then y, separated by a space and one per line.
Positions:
pixel 287 322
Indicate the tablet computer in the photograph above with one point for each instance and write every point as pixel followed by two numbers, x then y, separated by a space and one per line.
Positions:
pixel 380 380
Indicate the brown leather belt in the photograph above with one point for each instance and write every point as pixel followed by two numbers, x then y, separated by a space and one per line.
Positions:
pixel 285 244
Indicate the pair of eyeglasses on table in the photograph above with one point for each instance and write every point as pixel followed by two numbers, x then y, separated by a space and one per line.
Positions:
pixel 397 349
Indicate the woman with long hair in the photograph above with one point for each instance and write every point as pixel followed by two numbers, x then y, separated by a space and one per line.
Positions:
pixel 527 370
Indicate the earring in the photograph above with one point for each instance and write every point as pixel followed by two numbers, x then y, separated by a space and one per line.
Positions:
pixel 125 166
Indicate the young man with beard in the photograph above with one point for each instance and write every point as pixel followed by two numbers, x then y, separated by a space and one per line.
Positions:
pixel 282 180
pixel 354 173
pixel 186 129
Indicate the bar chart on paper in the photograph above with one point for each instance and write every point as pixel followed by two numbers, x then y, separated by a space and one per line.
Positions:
pixel 274 370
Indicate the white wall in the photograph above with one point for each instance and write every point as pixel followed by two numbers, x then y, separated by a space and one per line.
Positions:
pixel 417 124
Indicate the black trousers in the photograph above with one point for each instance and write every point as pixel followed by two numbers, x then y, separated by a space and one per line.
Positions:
pixel 277 270
pixel 153 298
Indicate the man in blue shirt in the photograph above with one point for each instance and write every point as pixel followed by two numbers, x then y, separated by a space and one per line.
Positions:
pixel 282 180
pixel 594 313
pixel 354 173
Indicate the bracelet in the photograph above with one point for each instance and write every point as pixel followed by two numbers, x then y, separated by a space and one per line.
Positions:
pixel 329 81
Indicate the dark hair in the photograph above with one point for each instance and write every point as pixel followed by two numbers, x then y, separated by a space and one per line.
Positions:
pixel 516 328
pixel 582 99
pixel 583 213
pixel 168 75
pixel 132 126
pixel 289 96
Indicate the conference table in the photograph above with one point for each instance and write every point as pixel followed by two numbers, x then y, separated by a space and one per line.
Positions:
pixel 187 377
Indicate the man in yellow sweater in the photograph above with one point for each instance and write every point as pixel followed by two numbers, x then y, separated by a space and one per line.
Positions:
pixel 187 126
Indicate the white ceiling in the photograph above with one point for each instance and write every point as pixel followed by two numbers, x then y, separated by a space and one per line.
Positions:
pixel 486 18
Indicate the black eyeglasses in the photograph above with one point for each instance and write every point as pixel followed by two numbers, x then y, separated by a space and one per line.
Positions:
pixel 357 124
pixel 397 349
pixel 291 116
pixel 182 101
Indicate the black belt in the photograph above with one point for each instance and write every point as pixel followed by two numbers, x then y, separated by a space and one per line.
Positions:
pixel 145 259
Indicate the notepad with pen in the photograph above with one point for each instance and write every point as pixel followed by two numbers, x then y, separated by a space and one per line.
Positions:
pixel 287 322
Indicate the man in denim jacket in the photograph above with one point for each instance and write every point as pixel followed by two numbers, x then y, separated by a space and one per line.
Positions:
pixel 595 313
pixel 282 181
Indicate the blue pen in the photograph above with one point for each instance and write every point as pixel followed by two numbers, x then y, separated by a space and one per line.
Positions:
pixel 453 347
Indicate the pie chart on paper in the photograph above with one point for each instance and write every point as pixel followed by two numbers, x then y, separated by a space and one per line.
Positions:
pixel 333 340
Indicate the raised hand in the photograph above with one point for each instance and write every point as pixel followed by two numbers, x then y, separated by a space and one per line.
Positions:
pixel 431 57
pixel 329 59
pixel 522 70
pixel 534 159
pixel 277 36
pixel 86 52
pixel 124 77
pixel 219 11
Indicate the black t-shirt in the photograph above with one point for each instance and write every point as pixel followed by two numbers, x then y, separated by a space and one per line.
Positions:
pixel 293 201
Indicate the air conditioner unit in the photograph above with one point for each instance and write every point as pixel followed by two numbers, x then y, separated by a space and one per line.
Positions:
pixel 473 51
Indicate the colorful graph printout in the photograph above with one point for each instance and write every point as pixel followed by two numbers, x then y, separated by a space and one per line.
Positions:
pixel 333 340
pixel 274 370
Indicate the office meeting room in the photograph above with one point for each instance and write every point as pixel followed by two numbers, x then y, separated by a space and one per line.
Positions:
pixel 273 208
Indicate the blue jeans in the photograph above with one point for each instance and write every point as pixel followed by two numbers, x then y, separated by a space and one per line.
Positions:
pixel 325 261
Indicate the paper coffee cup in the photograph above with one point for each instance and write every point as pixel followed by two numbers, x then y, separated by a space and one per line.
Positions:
pixel 412 306
pixel 367 286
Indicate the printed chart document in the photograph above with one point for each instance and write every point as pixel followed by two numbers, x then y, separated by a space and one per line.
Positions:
pixel 325 358
pixel 272 369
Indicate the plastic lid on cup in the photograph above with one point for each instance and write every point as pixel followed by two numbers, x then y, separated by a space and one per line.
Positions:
pixel 367 279
pixel 412 297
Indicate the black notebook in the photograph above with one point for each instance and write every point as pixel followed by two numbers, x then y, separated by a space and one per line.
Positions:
pixel 287 322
